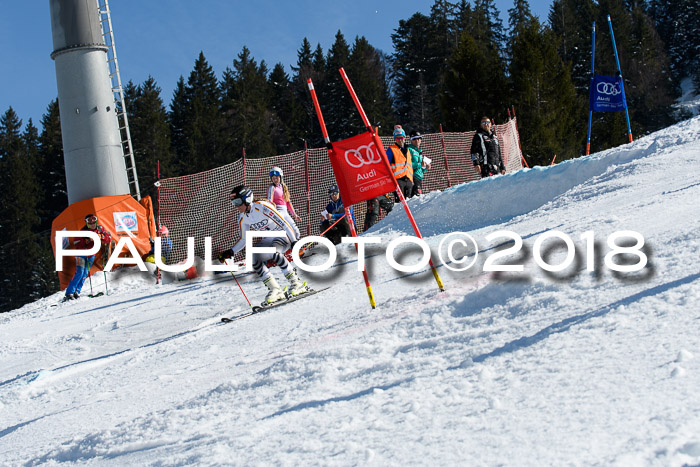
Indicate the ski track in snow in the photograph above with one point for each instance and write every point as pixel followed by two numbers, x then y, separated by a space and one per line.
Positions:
pixel 514 368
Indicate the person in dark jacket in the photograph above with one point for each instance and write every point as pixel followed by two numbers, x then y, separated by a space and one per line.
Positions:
pixel 334 211
pixel 386 202
pixel 486 153
pixel 84 263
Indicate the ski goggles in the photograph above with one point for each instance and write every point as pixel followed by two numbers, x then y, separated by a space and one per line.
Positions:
pixel 236 202
pixel 485 122
pixel 91 220
pixel 275 173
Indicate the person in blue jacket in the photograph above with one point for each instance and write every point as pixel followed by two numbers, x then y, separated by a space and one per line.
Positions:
pixel 334 211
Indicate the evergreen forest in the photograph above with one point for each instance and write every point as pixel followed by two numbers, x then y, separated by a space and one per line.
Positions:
pixel 447 69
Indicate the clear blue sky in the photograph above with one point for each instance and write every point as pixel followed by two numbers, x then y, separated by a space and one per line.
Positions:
pixel 163 39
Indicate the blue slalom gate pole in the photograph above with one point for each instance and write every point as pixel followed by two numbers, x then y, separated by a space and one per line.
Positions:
pixel 622 86
pixel 590 110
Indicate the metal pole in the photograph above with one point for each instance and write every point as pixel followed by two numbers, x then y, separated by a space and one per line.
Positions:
pixel 622 85
pixel 590 110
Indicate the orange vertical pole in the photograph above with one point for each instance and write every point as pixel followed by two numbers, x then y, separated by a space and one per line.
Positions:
pixel 379 144
pixel 327 140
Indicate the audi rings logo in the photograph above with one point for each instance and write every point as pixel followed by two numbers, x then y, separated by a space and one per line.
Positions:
pixel 364 155
pixel 609 89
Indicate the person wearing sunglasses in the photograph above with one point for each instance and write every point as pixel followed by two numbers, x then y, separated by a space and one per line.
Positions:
pixel 84 263
pixel 261 215
pixel 486 153
pixel 278 194
pixel 400 161
pixel 420 163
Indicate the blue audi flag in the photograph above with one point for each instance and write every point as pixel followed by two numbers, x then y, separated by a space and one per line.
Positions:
pixel 607 94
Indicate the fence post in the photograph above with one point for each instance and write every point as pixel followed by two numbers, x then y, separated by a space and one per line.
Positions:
pixel 520 146
pixel 243 159
pixel 444 152
pixel 308 190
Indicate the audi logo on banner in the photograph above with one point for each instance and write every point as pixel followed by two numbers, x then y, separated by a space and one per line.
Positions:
pixel 608 89
pixel 363 155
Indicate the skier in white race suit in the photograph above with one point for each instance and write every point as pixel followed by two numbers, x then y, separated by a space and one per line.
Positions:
pixel 261 215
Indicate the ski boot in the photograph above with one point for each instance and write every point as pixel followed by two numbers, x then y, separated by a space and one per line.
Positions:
pixel 275 294
pixel 296 286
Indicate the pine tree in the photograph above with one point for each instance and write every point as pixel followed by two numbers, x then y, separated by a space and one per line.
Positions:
pixel 678 23
pixel 367 70
pixel 19 245
pixel 197 125
pixel 287 113
pixel 306 68
pixel 572 22
pixel 544 92
pixel 475 85
pixel 338 107
pixel 245 104
pixel 416 73
pixel 51 169
pixel 150 133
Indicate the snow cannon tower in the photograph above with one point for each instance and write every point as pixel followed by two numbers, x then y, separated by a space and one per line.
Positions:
pixel 92 146
pixel 94 130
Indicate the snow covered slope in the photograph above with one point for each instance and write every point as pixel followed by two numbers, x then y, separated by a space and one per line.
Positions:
pixel 517 368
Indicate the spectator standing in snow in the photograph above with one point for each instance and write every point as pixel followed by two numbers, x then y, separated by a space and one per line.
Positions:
pixel 385 202
pixel 84 263
pixel 278 194
pixel 400 160
pixel 261 215
pixel 420 163
pixel 166 245
pixel 334 211
pixel 486 153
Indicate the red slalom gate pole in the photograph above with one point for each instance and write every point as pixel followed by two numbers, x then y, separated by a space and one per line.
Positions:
pixel 380 146
pixel 368 286
pixel 327 140
pixel 333 225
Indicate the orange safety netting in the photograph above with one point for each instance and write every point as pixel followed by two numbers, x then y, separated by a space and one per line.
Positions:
pixel 198 205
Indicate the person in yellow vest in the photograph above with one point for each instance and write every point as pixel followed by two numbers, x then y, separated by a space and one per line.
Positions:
pixel 400 160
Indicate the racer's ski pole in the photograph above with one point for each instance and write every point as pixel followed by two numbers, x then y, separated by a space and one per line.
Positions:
pixel 239 285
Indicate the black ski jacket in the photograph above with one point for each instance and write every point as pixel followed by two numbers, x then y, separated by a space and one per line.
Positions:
pixel 486 151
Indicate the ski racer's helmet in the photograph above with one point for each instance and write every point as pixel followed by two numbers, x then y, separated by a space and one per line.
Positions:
pixel 91 219
pixel 163 231
pixel 276 171
pixel 241 195
pixel 333 189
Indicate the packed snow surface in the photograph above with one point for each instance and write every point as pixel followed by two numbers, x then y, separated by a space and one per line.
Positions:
pixel 584 366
